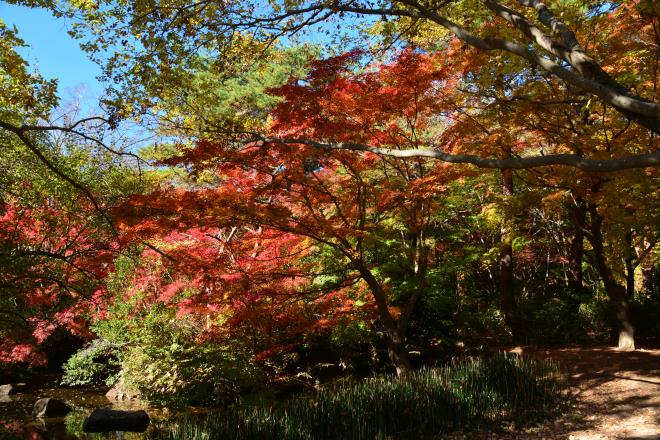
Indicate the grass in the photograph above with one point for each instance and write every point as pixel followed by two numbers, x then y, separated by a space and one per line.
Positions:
pixel 464 394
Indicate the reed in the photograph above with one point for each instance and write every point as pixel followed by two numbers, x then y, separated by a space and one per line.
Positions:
pixel 464 394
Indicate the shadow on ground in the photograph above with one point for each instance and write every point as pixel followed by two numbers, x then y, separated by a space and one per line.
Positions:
pixel 616 394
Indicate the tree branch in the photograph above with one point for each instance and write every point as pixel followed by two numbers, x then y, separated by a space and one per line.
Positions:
pixel 588 76
pixel 20 133
pixel 518 163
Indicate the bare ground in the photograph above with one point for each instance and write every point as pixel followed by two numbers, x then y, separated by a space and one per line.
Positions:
pixel 616 395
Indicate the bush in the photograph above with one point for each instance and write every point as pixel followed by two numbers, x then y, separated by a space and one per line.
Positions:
pixel 171 360
pixel 179 375
pixel 552 320
pixel 598 316
pixel 564 317
pixel 465 393
pixel 97 363
pixel 482 328
pixel 645 312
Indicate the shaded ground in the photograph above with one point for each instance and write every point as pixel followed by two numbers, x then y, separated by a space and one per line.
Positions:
pixel 616 395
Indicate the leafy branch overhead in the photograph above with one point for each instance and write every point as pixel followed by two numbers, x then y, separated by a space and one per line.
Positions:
pixel 159 38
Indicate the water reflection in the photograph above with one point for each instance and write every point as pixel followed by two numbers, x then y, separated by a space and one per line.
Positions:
pixel 16 421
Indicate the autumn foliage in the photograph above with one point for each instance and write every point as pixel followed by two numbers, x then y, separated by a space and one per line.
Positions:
pixel 272 238
pixel 53 262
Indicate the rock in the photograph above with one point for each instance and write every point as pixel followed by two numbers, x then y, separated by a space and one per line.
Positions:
pixel 50 407
pixel 9 389
pixel 119 392
pixel 106 420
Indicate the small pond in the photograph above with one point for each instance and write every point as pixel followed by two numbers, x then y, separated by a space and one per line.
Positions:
pixel 15 415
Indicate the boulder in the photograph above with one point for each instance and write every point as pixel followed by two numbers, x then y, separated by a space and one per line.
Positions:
pixel 106 420
pixel 7 390
pixel 119 392
pixel 12 388
pixel 50 407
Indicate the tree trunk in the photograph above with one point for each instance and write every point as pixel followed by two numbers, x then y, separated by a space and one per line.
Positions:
pixel 630 265
pixel 577 246
pixel 506 283
pixel 630 279
pixel 507 298
pixel 398 354
pixel 396 340
pixel 626 330
pixel 615 291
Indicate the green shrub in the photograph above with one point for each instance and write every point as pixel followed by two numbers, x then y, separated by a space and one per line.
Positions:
pixel 562 316
pixel 179 375
pixel 97 363
pixel 553 320
pixel 597 314
pixel 482 328
pixel 645 312
pixel 465 393
pixel 171 360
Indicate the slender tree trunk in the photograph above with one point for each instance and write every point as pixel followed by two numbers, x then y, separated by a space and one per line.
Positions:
pixel 615 291
pixel 649 284
pixel 396 339
pixel 630 279
pixel 630 267
pixel 507 297
pixel 577 246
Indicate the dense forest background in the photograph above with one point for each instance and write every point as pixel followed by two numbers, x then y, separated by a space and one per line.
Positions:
pixel 332 188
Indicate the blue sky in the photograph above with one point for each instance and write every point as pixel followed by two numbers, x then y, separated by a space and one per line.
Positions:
pixel 53 52
pixel 56 55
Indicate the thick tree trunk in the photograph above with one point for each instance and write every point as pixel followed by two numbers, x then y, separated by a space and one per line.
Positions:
pixel 626 330
pixel 615 291
pixel 577 247
pixel 507 297
pixel 398 354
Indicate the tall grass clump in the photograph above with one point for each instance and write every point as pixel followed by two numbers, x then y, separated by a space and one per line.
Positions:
pixel 466 393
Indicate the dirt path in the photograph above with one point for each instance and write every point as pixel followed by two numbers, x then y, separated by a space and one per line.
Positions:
pixel 616 395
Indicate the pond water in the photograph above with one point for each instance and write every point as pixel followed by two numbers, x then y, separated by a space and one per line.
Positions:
pixel 15 415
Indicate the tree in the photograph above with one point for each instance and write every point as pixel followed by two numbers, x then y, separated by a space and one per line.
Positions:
pixel 158 41
pixel 465 91
pixel 56 240
pixel 357 208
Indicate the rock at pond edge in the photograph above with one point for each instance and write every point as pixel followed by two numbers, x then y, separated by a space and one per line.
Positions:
pixel 50 407
pixel 106 420
pixel 12 388
pixel 119 392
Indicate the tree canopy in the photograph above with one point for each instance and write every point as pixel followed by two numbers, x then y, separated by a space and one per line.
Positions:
pixel 419 174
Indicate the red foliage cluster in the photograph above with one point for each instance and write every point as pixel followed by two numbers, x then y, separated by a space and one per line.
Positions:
pixel 253 248
pixel 53 258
